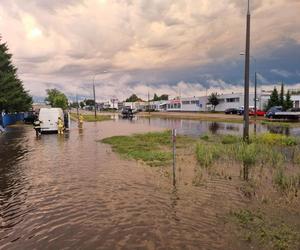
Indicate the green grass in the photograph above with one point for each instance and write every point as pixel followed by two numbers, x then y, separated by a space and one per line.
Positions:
pixel 91 118
pixel 207 154
pixel 230 139
pixel 275 139
pixel 272 233
pixel 152 148
pixel 277 123
pixel 265 150
pixel 286 183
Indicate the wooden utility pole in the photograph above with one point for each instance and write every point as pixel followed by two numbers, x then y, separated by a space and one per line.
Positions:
pixel 247 70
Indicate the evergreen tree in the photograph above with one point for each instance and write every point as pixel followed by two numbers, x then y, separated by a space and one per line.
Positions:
pixel 155 97
pixel 274 99
pixel 13 97
pixel 281 97
pixel 288 103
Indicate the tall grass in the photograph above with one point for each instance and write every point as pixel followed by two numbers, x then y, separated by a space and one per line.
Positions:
pixel 286 183
pixel 207 154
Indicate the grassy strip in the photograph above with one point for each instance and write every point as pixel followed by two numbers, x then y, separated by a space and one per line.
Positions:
pixel 256 226
pixel 153 149
pixel 91 118
pixel 268 150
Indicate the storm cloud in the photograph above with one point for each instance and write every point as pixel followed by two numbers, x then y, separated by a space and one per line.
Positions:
pixel 176 47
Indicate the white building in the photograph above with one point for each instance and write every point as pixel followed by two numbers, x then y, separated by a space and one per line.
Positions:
pixel 194 103
pixel 296 100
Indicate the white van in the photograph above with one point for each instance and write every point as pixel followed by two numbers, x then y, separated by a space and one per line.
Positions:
pixel 49 118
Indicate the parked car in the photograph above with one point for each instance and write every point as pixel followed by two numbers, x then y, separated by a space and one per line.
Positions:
pixel 29 117
pixel 258 112
pixel 271 112
pixel 231 111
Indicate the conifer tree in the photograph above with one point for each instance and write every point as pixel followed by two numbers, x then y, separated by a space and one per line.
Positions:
pixel 274 99
pixel 13 97
pixel 288 103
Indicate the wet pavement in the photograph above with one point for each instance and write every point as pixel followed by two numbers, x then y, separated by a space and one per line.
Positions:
pixel 73 192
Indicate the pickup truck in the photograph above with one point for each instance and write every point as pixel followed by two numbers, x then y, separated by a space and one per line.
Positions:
pixel 277 112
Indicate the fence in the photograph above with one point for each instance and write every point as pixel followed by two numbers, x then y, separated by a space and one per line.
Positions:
pixel 8 119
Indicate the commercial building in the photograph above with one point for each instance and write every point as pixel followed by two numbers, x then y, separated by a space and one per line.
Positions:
pixel 198 104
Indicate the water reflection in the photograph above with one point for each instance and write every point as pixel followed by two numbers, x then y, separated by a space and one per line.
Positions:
pixel 197 127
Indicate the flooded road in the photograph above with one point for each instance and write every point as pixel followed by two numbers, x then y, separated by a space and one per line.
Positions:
pixel 72 192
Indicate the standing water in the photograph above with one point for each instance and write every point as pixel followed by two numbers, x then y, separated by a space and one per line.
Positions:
pixel 71 191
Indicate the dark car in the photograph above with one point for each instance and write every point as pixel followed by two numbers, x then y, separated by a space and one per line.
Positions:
pixel 30 117
pixel 271 112
pixel 231 111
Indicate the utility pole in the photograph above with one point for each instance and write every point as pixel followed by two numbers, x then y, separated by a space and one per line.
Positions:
pixel 94 92
pixel 255 95
pixel 148 103
pixel 77 106
pixel 247 70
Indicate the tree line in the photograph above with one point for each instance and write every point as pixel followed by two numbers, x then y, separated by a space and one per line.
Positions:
pixel 280 99
pixel 135 98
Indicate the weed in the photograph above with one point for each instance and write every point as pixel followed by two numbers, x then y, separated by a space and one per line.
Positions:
pixel 230 139
pixel 207 154
pixel 286 183
pixel 247 154
pixel 276 139
pixel 272 233
pixel 204 137
pixel 91 118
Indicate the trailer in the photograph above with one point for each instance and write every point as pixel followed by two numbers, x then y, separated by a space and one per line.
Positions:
pixel 286 115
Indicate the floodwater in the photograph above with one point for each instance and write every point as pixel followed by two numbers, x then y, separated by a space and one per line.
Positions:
pixel 196 127
pixel 73 192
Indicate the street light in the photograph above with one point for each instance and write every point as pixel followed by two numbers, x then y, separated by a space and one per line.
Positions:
pixel 247 69
pixel 94 91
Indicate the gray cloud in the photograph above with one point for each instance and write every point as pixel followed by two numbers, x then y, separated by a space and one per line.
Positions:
pixel 146 44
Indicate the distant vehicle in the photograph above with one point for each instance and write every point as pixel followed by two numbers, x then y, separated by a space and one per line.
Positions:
pixel 258 112
pixel 277 113
pixel 231 111
pixel 241 110
pixel 127 113
pixel 271 112
pixel 49 118
pixel 29 117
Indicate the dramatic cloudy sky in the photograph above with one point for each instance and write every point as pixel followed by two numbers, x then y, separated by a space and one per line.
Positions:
pixel 136 46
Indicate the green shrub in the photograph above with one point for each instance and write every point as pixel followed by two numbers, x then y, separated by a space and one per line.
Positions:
pixel 230 139
pixel 276 139
pixel 204 137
